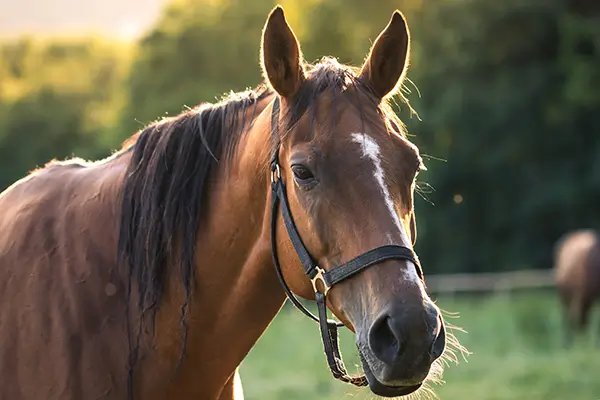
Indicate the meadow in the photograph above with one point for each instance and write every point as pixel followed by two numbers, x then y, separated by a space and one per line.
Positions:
pixel 515 342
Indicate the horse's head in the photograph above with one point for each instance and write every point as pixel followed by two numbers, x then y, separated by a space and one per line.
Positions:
pixel 350 176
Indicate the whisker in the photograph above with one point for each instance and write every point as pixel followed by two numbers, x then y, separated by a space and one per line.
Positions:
pixel 430 157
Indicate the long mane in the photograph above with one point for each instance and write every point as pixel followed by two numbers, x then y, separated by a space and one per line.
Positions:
pixel 164 187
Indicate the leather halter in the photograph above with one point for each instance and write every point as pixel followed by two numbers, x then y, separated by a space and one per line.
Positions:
pixel 316 274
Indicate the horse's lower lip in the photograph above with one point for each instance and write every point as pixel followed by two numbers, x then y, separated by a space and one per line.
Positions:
pixel 382 390
pixel 391 391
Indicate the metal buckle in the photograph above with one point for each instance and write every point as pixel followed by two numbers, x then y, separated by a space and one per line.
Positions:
pixel 320 277
pixel 275 173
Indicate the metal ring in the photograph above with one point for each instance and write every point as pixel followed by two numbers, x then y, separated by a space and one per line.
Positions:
pixel 275 173
pixel 320 277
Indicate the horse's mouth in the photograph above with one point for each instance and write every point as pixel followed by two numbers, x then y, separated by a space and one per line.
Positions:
pixel 382 390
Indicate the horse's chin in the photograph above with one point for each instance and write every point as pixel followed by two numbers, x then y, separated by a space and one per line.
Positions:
pixel 383 390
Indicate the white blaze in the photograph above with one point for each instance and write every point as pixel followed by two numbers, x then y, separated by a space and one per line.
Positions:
pixel 370 149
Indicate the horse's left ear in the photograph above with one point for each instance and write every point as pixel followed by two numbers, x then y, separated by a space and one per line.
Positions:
pixel 387 61
pixel 281 57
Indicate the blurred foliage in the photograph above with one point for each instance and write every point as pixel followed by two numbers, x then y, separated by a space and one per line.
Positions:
pixel 58 98
pixel 511 103
pixel 197 51
pixel 508 94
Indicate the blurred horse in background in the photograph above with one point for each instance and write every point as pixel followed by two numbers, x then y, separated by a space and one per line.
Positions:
pixel 577 275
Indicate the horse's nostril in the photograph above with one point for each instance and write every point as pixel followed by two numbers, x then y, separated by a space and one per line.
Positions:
pixel 392 332
pixel 385 339
pixel 433 315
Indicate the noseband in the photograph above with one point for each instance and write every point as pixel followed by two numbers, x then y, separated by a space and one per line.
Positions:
pixel 329 328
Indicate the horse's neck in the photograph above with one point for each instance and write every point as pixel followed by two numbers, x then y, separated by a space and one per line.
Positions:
pixel 237 293
pixel 100 207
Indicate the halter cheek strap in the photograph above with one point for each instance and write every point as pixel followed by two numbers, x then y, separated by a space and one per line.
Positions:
pixel 318 276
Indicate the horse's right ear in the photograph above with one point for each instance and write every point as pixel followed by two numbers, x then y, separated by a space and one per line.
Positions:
pixel 281 57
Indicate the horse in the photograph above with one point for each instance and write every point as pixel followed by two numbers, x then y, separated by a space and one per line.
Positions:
pixel 151 273
pixel 577 277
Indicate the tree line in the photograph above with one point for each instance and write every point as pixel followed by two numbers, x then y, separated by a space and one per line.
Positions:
pixel 507 95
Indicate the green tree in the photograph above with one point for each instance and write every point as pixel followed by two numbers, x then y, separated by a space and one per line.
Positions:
pixel 58 98
pixel 508 92
pixel 197 51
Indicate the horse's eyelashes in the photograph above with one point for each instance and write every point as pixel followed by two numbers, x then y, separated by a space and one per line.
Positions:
pixel 302 173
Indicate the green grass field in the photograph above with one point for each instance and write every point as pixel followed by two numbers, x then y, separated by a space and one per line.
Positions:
pixel 516 353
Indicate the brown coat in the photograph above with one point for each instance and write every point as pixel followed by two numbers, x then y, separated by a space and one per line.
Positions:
pixel 577 269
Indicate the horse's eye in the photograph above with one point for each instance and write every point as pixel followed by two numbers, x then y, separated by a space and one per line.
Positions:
pixel 302 173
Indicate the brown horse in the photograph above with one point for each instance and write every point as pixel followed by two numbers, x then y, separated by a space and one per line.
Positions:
pixel 152 273
pixel 577 274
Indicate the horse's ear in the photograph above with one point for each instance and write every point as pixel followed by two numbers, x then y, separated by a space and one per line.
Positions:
pixel 388 59
pixel 281 57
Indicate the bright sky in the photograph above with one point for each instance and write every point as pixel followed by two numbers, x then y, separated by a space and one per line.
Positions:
pixel 123 18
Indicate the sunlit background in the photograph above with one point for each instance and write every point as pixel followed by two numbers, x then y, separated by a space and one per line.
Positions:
pixel 508 101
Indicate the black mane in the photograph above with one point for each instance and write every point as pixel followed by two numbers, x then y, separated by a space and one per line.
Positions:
pixel 164 186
